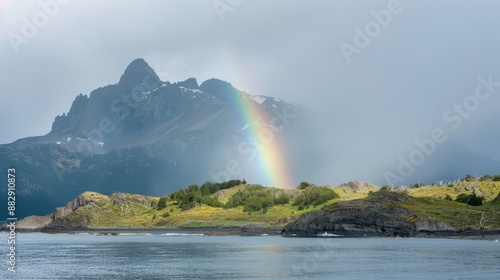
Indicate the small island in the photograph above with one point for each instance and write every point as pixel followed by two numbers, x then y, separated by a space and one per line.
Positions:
pixel 468 208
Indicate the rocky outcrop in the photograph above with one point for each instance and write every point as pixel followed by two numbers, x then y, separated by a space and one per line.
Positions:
pixel 125 198
pixel 68 217
pixel 358 186
pixel 380 214
pixel 252 230
pixel 432 225
pixel 33 222
pixel 85 199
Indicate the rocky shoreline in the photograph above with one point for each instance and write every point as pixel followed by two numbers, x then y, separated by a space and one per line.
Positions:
pixel 380 214
pixel 256 230
pixel 246 230
pixel 466 234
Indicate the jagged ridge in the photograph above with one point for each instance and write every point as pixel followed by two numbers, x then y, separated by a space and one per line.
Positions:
pixel 141 135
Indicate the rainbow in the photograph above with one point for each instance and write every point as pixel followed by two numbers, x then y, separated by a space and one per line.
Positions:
pixel 270 164
pixel 271 159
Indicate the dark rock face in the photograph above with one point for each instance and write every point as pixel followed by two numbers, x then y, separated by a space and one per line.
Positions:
pixel 379 215
pixel 139 74
pixel 431 225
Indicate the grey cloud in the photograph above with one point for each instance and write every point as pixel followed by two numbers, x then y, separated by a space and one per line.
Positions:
pixel 394 91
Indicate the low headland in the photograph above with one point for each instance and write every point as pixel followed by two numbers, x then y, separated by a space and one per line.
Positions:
pixel 468 208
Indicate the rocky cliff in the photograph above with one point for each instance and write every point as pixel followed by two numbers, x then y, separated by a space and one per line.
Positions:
pixel 382 214
pixel 69 216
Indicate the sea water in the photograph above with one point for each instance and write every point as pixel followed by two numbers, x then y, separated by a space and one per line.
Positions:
pixel 174 256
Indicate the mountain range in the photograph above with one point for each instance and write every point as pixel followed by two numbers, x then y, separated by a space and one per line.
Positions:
pixel 152 137
pixel 143 135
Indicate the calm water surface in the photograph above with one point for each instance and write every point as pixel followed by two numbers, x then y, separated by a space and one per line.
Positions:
pixel 156 256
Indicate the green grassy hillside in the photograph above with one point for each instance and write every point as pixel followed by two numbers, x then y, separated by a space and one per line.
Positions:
pixel 439 202
pixel 236 203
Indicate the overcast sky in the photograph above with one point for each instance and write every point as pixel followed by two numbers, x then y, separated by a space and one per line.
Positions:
pixel 378 91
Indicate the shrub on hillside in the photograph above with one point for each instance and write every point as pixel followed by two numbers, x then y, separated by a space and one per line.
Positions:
pixel 385 188
pixel 281 198
pixel 490 178
pixel 315 196
pixel 188 199
pixel 162 203
pixel 194 195
pixel 210 187
pixel 469 178
pixel 240 198
pixel 417 185
pixel 305 185
pixel 486 178
pixel 257 198
pixel 471 199
pixel 257 203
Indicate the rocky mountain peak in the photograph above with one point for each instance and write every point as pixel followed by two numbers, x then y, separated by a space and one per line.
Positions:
pixel 78 106
pixel 138 73
pixel 140 135
pixel 189 83
pixel 220 89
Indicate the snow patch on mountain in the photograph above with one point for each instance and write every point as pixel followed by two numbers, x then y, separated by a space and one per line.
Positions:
pixel 184 89
pixel 259 98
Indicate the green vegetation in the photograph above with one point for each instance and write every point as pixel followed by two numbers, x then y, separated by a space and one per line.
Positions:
pixel 470 199
pixel 236 203
pixel 162 203
pixel 469 178
pixel 258 198
pixel 211 205
pixel 315 196
pixel 484 178
pixel 454 213
pixel 211 187
pixel 304 185
pixel 387 188
pixel 487 189
pixel 494 178
pixel 194 196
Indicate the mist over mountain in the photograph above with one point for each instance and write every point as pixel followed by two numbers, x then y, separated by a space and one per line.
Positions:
pixel 143 135
pixel 152 137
